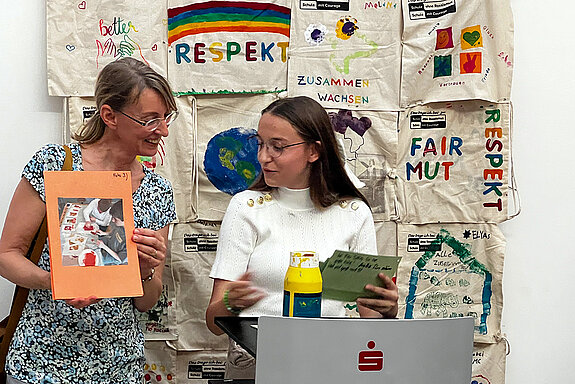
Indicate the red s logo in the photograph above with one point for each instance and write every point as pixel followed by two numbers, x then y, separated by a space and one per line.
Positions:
pixel 370 360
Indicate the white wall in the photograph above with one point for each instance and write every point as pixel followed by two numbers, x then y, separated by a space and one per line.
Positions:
pixel 28 117
pixel 538 278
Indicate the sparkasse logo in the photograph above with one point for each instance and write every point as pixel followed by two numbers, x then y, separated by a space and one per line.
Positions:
pixel 370 361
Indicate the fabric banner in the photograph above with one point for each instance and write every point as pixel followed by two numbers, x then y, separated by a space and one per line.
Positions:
pixel 228 46
pixel 197 367
pixel 386 234
pixel 79 111
pixel 452 271
pixel 454 163
pixel 175 157
pixel 488 363
pixel 159 323
pixel 346 54
pixel 369 143
pixel 456 50
pixel 84 36
pixel 193 253
pixel 227 160
pixel 160 366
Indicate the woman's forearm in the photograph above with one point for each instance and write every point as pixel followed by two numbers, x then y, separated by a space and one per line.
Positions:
pixel 23 219
pixel 152 292
pixel 18 269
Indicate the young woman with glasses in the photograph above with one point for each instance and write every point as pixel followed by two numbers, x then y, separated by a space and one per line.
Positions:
pixel 302 201
pixel 86 340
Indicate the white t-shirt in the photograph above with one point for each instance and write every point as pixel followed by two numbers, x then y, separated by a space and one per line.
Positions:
pixel 260 230
pixel 102 218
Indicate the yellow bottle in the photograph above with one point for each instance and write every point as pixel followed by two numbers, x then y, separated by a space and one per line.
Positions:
pixel 302 286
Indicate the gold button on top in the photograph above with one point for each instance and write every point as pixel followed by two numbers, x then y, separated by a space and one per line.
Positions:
pixel 354 206
pixel 268 197
pixel 343 203
pixel 260 200
pixel 250 202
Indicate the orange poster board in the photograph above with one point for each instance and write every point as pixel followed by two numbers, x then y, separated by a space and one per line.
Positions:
pixel 90 226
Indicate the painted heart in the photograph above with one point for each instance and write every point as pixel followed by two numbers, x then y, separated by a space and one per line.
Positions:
pixel 70 47
pixel 165 21
pixel 471 37
pixel 155 47
pixel 82 5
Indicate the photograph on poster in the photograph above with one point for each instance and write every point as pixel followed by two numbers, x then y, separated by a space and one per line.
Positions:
pixel 92 232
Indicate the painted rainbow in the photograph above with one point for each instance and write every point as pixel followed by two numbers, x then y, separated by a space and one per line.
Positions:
pixel 227 16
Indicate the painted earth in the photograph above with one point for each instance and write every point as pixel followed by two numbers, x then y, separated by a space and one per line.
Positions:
pixel 231 162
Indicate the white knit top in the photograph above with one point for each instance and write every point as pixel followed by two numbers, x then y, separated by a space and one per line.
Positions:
pixel 260 230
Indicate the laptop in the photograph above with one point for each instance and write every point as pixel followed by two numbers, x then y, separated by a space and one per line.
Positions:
pixel 364 351
pixel 243 330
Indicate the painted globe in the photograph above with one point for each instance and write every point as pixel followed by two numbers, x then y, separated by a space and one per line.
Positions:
pixel 231 162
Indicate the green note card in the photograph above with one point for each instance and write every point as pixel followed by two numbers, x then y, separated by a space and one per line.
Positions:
pixel 345 274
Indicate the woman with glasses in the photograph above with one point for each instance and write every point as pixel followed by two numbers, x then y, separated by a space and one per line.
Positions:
pixel 86 340
pixel 302 201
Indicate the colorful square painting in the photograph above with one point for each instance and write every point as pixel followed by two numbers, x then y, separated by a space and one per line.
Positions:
pixel 442 66
pixel 471 37
pixel 470 62
pixel 444 38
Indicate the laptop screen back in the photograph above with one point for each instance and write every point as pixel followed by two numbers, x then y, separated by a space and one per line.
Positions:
pixel 362 351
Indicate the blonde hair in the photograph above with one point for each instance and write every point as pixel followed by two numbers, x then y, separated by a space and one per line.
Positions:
pixel 121 83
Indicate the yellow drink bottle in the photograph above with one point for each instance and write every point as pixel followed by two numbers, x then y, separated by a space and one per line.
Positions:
pixel 302 286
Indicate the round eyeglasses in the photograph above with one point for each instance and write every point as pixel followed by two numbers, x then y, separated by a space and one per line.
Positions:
pixel 152 125
pixel 273 148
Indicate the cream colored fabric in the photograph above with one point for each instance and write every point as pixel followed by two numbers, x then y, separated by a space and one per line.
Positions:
pixel 454 163
pixel 348 57
pixel 456 50
pixel 488 363
pixel 226 48
pixel 227 116
pixel 80 109
pixel 197 367
pixel 451 271
pixel 159 323
pixel 160 365
pixel 386 234
pixel 175 159
pixel 369 143
pixel 84 36
pixel 193 252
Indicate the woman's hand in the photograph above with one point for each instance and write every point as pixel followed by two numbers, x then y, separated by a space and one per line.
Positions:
pixel 242 293
pixel 81 303
pixel 384 306
pixel 151 250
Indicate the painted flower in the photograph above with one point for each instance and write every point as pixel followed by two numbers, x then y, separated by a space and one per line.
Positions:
pixel 315 34
pixel 346 27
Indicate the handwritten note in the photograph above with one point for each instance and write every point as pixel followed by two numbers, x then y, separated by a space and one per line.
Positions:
pixel 345 274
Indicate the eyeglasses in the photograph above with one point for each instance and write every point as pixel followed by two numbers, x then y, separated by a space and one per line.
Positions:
pixel 152 125
pixel 274 149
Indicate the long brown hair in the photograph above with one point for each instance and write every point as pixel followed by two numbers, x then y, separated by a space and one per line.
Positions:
pixel 120 83
pixel 328 179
